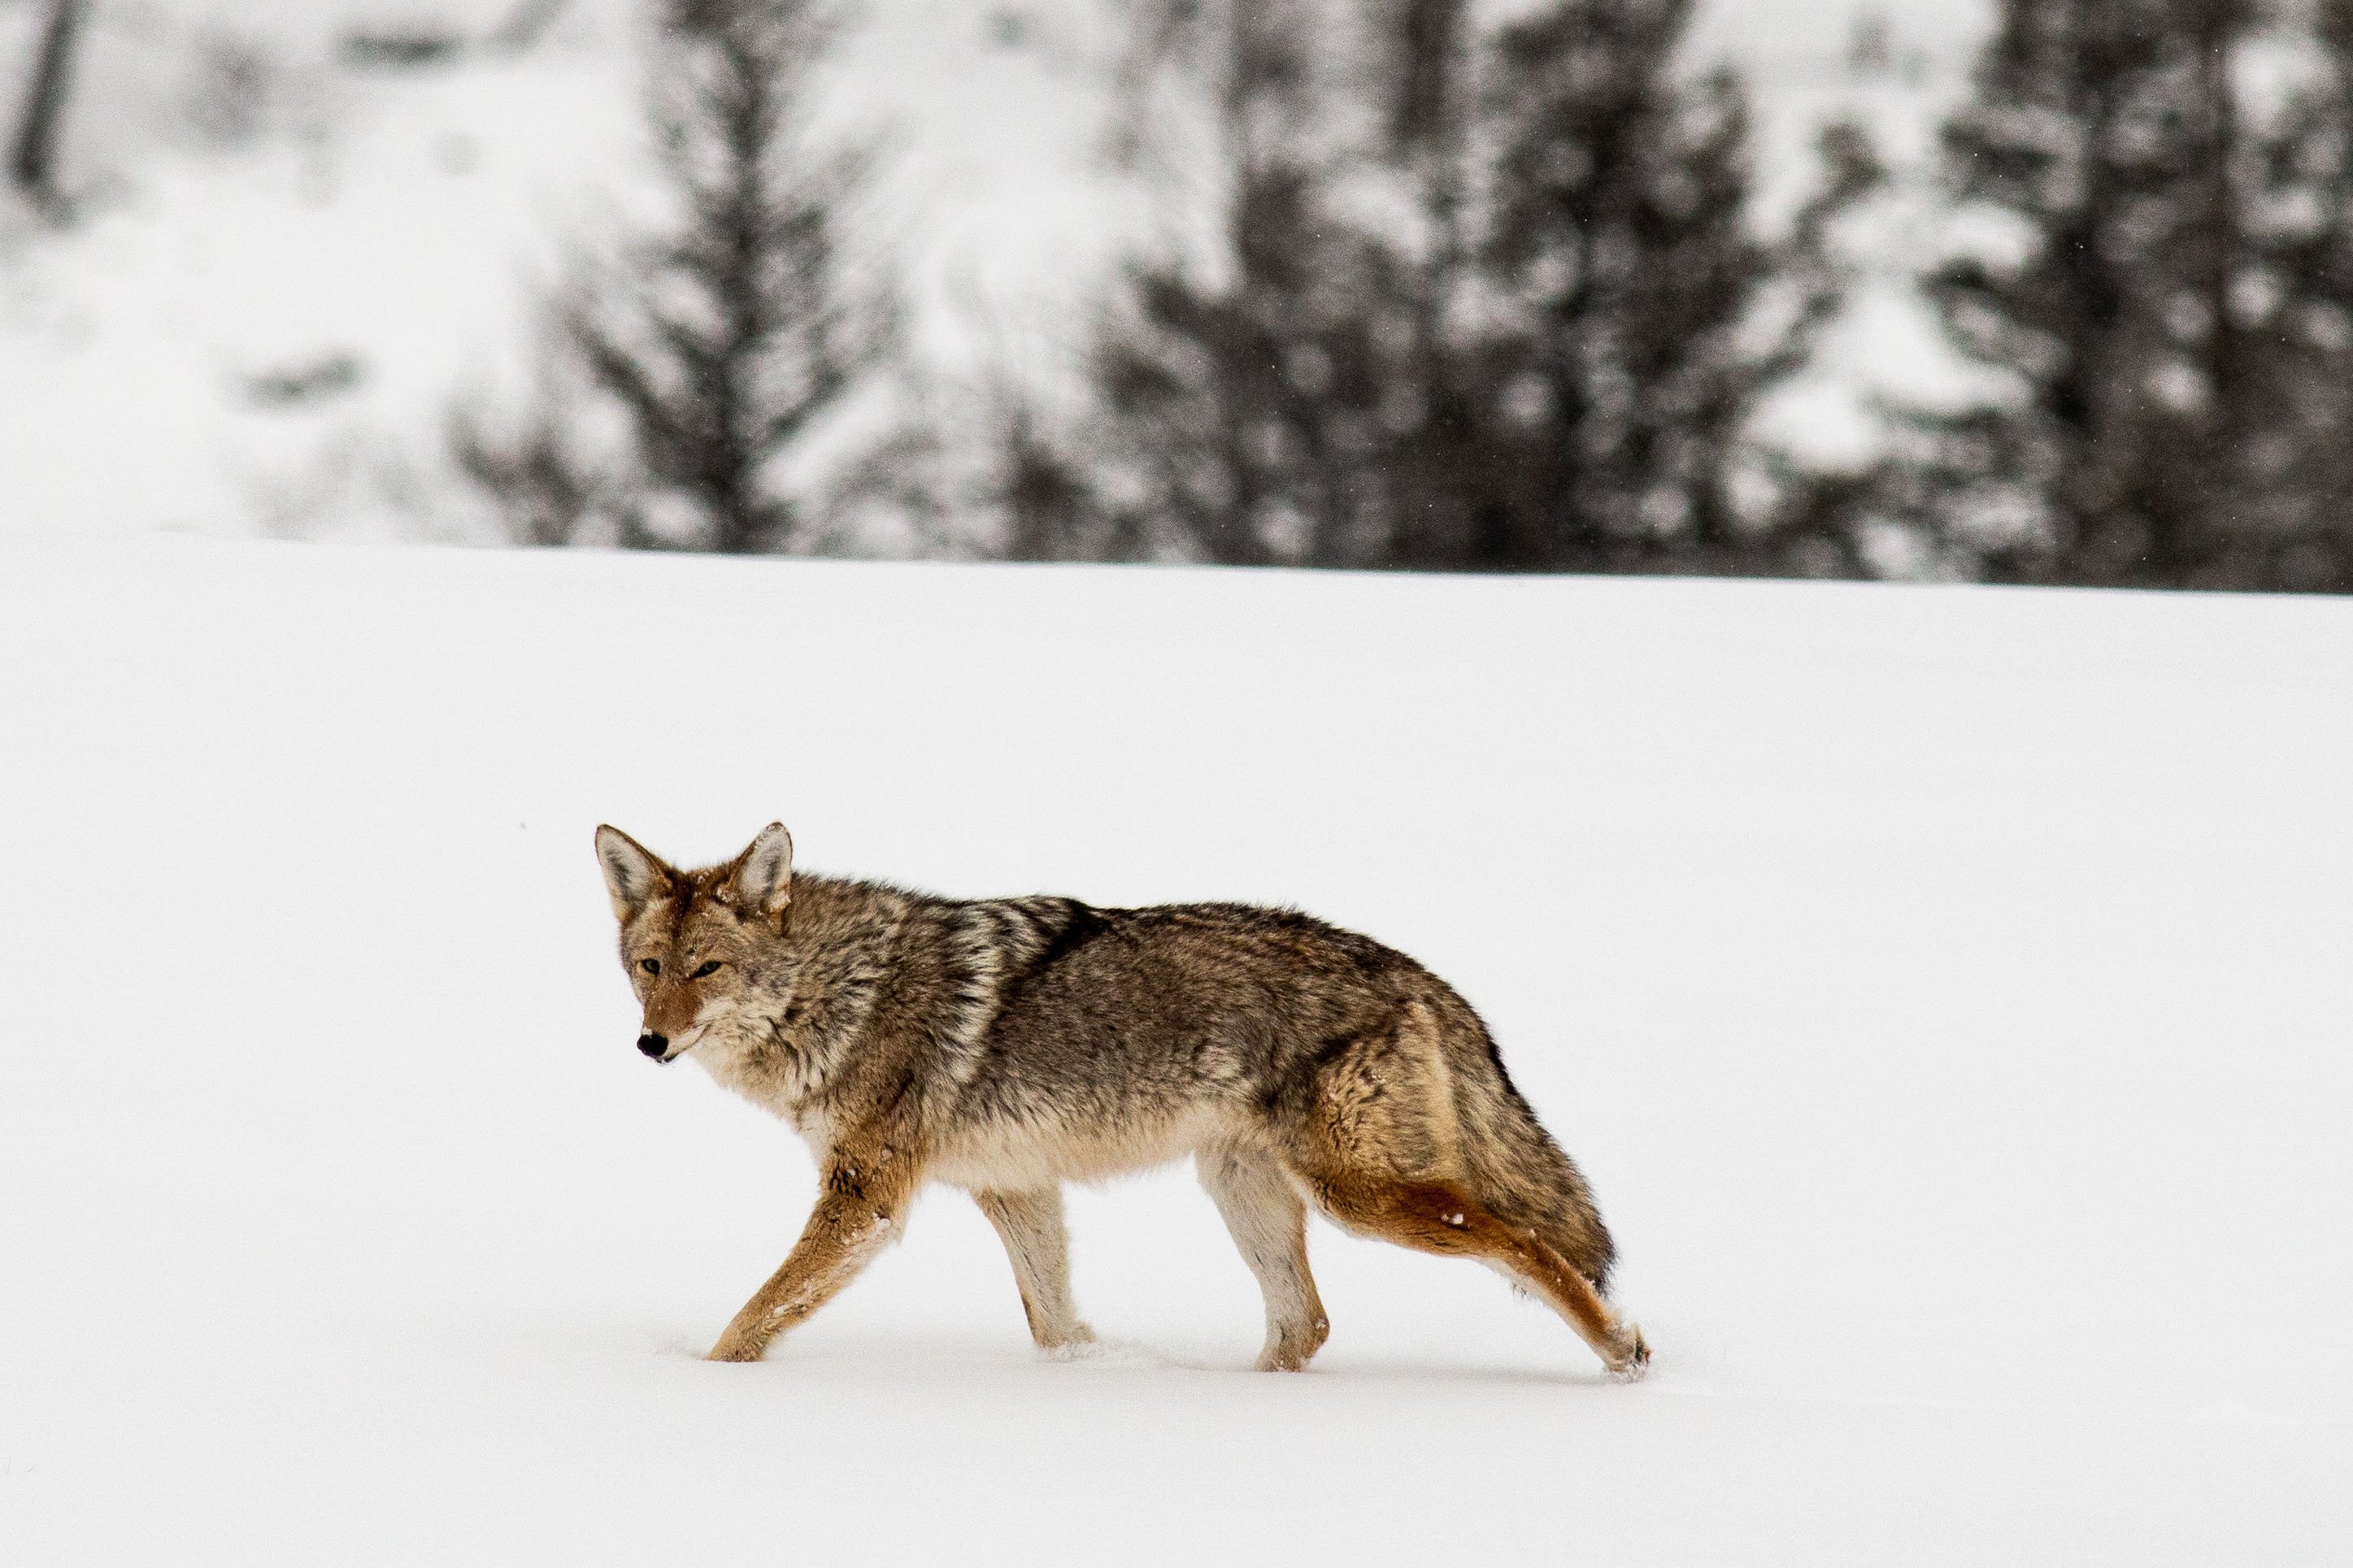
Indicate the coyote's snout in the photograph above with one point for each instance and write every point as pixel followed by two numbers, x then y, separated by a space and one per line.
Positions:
pixel 1007 1046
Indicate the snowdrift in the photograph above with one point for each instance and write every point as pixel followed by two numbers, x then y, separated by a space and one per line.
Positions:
pixel 1946 990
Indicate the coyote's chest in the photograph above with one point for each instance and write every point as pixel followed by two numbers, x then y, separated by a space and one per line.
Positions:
pixel 778 1074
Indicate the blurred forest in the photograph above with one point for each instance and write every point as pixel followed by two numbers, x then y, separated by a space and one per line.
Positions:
pixel 1493 289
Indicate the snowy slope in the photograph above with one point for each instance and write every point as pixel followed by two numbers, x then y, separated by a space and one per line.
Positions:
pixel 400 225
pixel 1944 988
pixel 407 223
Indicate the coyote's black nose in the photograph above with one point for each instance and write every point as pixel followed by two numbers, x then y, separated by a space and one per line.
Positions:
pixel 653 1044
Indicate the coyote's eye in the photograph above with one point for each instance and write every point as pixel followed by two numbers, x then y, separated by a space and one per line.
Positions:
pixel 709 968
pixel 651 966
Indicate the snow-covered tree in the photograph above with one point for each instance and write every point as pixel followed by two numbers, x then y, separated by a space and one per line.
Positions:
pixel 1488 300
pixel 1628 357
pixel 718 342
pixel 2123 294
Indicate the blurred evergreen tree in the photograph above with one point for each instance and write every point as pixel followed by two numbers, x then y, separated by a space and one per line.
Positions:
pixel 2127 295
pixel 720 342
pixel 1245 411
pixel 1630 357
pixel 2303 295
pixel 1490 301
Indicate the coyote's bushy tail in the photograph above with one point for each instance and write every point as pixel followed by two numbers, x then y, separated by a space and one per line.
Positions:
pixel 1525 1178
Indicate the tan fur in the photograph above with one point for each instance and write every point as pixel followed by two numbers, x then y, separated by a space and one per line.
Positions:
pixel 1030 1226
pixel 1005 1047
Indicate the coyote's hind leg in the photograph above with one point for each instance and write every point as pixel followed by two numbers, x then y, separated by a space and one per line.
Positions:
pixel 1433 1216
pixel 1269 1223
pixel 1030 1226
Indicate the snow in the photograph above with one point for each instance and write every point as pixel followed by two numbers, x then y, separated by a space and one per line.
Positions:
pixel 1944 988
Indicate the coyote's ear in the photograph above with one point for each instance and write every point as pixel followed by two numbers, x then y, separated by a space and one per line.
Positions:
pixel 763 873
pixel 633 873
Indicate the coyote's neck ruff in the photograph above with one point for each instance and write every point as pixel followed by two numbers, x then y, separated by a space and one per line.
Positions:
pixel 1005 1045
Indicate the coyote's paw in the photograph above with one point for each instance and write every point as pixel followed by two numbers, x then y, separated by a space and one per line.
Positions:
pixel 1068 1343
pixel 1293 1351
pixel 731 1348
pixel 1632 1358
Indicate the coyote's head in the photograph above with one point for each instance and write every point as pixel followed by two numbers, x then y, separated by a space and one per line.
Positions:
pixel 697 943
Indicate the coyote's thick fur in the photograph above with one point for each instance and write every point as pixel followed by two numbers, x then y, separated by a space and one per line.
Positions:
pixel 1007 1046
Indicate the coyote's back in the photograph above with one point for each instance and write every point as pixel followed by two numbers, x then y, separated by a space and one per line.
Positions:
pixel 1006 1046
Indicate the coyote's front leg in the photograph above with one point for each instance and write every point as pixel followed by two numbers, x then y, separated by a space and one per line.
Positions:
pixel 857 1215
pixel 1030 1226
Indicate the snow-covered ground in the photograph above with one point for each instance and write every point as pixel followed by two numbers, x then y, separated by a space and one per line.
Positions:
pixel 286 269
pixel 1944 988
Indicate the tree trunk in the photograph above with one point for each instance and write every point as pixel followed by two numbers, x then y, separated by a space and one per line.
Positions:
pixel 2221 24
pixel 31 161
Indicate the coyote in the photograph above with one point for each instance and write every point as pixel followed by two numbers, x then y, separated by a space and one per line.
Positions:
pixel 1006 1046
